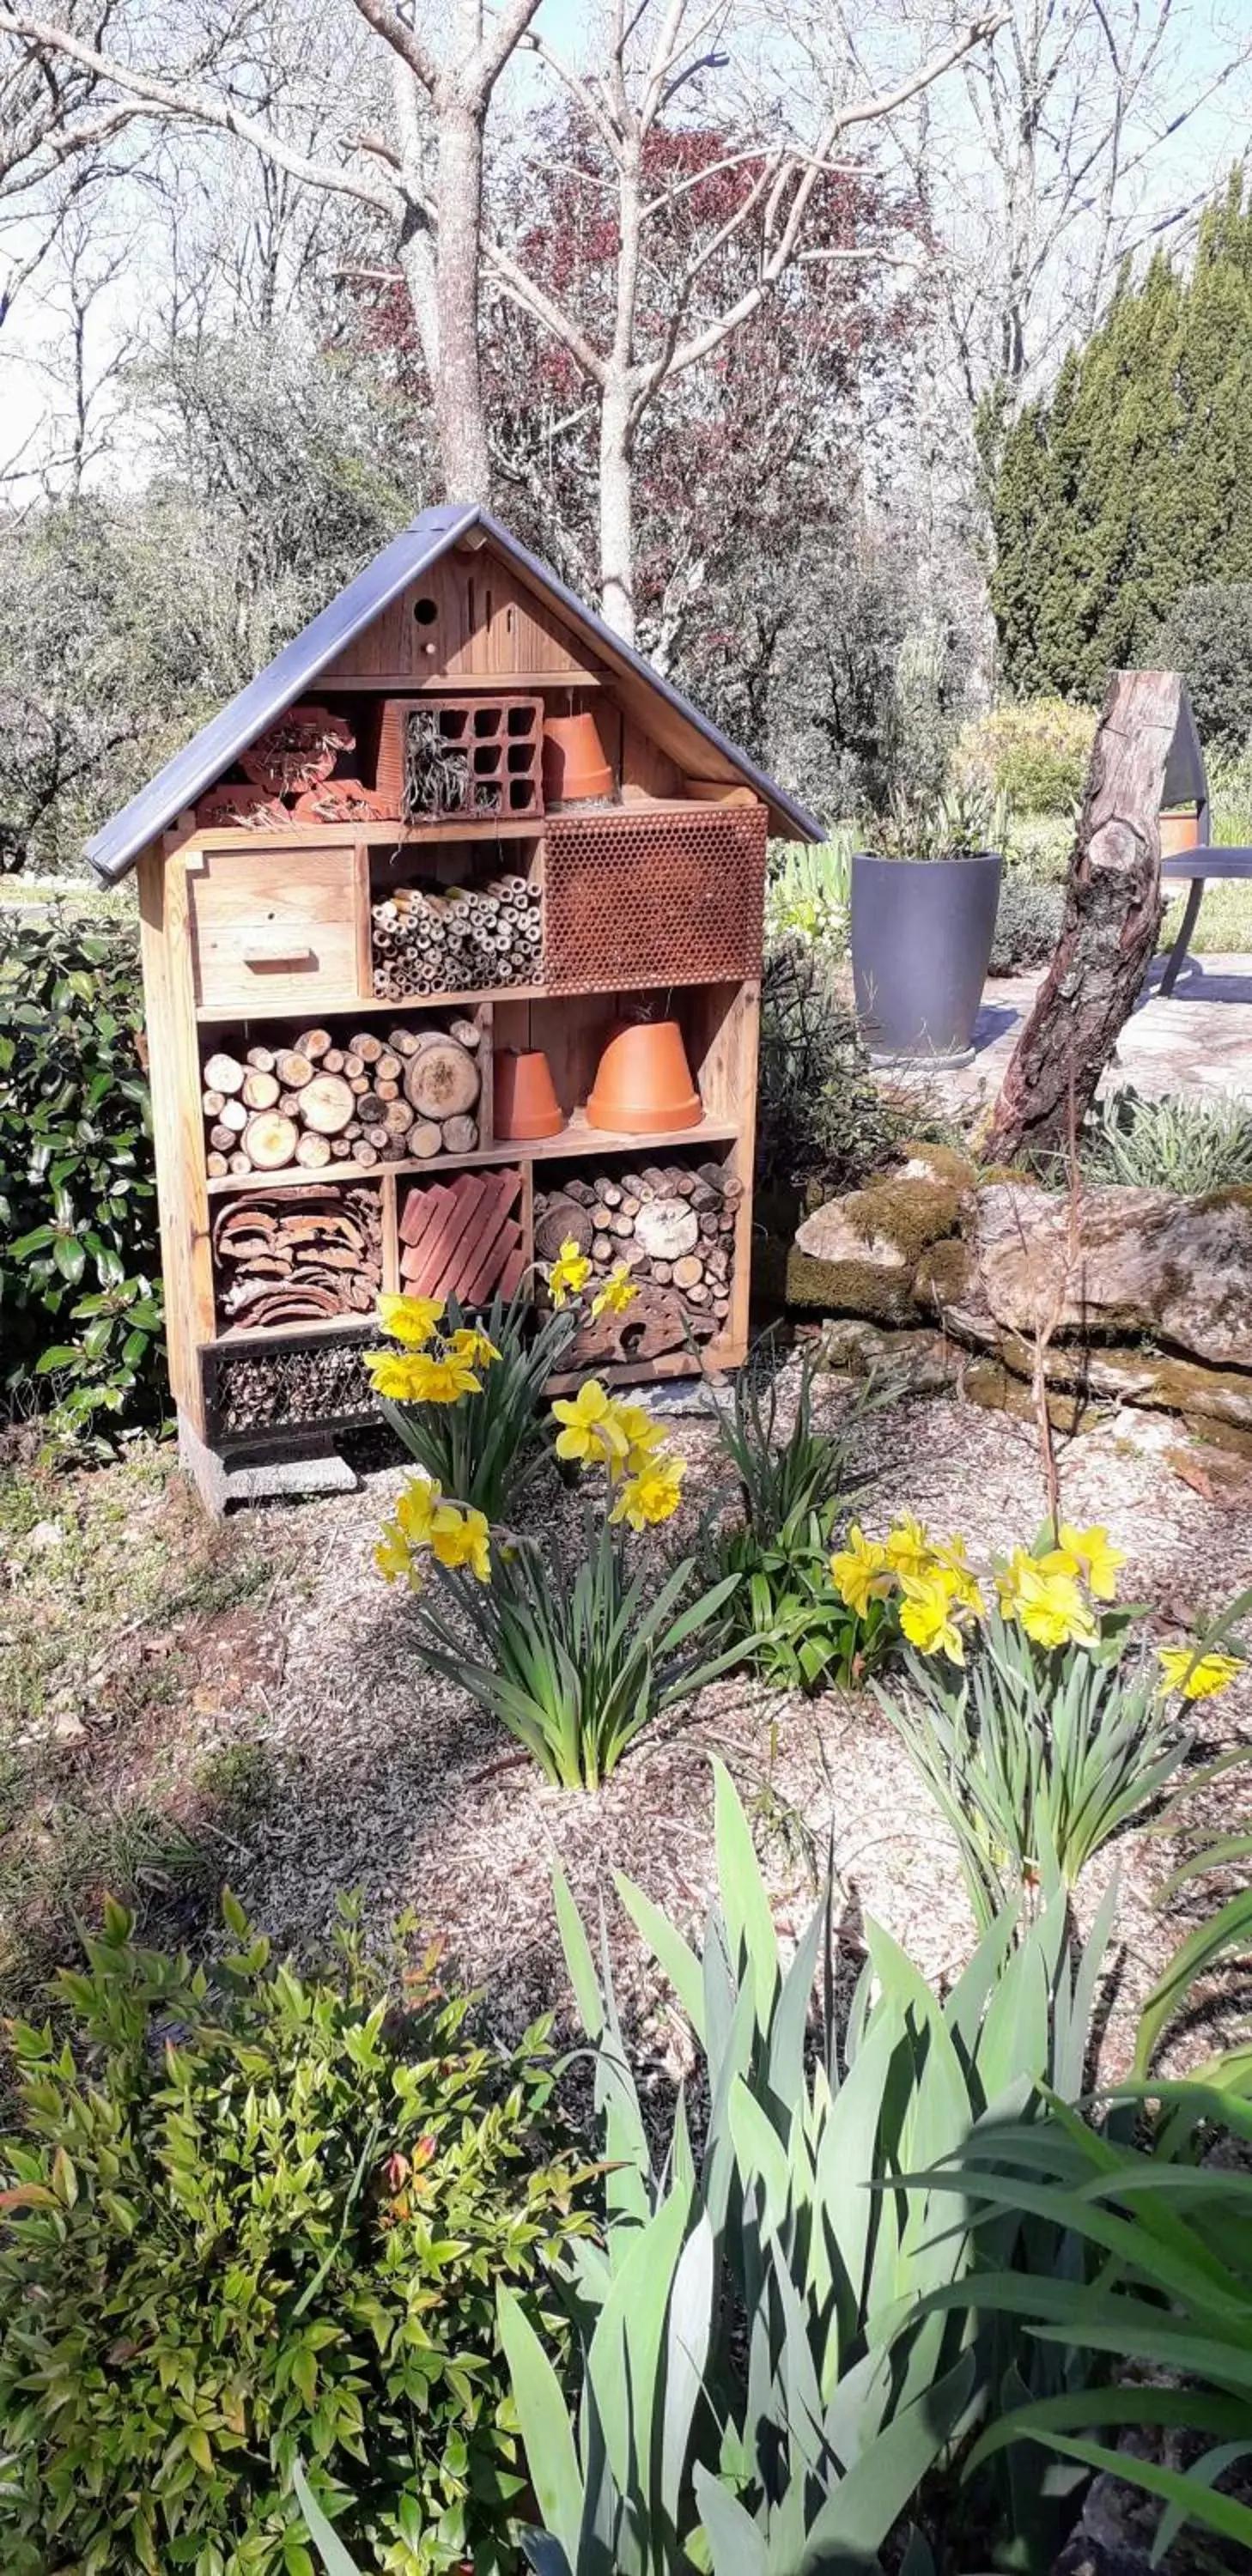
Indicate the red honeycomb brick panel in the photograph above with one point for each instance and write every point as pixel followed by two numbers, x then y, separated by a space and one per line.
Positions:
pixel 643 898
pixel 490 758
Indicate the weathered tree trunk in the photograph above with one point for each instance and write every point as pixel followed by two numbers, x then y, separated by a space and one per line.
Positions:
pixel 1112 915
pixel 459 413
pixel 617 537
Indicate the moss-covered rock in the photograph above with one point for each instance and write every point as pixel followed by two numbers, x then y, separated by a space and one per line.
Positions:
pixel 946 1276
pixel 919 1362
pixel 987 1382
pixel 925 1162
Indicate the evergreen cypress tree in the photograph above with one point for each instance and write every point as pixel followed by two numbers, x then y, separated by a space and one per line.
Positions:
pixel 1133 479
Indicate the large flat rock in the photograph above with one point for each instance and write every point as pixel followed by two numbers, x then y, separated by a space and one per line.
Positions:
pixel 1121 1263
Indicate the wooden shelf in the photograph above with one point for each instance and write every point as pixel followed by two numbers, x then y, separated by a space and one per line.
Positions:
pixel 223 1015
pixel 327 1329
pixel 576 1143
pixel 460 684
pixel 384 835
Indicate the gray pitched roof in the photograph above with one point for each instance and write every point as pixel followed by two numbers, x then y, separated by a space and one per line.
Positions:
pixel 115 848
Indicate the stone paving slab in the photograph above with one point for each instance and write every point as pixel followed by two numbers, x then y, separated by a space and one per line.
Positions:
pixel 1200 1040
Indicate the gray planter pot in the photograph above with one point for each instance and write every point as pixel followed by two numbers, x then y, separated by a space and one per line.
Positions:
pixel 921 942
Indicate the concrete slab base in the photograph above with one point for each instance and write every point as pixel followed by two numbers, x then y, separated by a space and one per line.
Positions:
pixel 258 1476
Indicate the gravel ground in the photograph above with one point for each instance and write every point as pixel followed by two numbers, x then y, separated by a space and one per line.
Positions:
pixel 391 1781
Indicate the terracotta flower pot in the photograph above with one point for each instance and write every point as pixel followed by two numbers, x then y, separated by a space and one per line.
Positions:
pixel 526 1104
pixel 1179 832
pixel 644 1085
pixel 575 771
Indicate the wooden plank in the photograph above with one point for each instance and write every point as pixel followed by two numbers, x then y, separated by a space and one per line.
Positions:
pixel 576 1140
pixel 485 625
pixel 391 1241
pixel 273 926
pixel 361 920
pixel 178 1121
pixel 217 1014
pixel 486 1111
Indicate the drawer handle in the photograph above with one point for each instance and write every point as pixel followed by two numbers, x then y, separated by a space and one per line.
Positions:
pixel 279 952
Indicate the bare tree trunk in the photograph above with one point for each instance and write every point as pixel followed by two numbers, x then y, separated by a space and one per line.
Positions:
pixel 617 517
pixel 458 382
pixel 1108 937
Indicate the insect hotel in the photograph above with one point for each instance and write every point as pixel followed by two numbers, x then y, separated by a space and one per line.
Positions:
pixel 451 929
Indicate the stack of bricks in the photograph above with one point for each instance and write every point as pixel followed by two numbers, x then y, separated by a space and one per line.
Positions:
pixel 460 1238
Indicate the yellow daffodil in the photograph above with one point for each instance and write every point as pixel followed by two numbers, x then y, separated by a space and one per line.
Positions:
pixel 400 1375
pixel 410 1320
pixel 617 1294
pixel 860 1572
pixel 1043 1596
pixel 462 1538
pixel 1094 1557
pixel 569 1273
pixel 416 1510
pixel 473 1346
pixel 653 1493
pixel 641 1434
pixel 953 1567
pixel 442 1381
pixel 926 1616
pixel 909 1548
pixel 591 1429
pixel 1196 1676
pixel 393 1557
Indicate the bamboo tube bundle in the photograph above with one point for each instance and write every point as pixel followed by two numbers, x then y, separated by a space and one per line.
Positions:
pixel 319 1101
pixel 457 939
pixel 674 1229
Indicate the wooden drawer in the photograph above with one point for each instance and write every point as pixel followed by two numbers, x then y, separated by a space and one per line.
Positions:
pixel 273 927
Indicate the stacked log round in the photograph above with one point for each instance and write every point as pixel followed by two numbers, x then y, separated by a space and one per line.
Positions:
pixel 457 939
pixel 674 1228
pixel 363 1100
pixel 299 1257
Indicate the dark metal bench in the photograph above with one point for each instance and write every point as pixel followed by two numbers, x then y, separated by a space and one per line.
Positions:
pixel 1199 866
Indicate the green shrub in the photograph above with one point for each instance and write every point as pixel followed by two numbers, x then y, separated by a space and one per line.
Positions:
pixel 1182 1142
pixel 1208 637
pixel 1028 923
pixel 810 889
pixel 1034 753
pixel 820 1114
pixel 255 2217
pixel 80 1294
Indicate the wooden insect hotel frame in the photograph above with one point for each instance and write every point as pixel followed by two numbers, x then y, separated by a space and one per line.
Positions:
pixel 374 890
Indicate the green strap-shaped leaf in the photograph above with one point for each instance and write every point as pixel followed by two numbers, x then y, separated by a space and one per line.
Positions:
pixel 546 2434
pixel 671 1952
pixel 325 2538
pixel 736 2546
pixel 883 2481
pixel 1196 2502
pixel 744 1902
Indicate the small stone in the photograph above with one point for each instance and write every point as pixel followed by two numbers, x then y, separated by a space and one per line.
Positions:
pixel 46 1534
